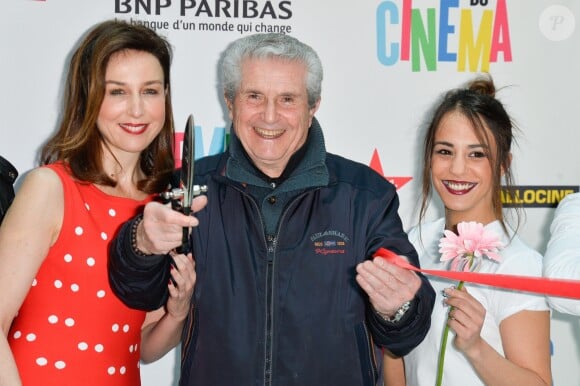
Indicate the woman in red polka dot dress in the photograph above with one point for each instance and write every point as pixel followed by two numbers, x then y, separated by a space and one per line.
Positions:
pixel 61 323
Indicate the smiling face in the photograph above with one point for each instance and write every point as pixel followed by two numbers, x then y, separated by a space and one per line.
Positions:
pixel 270 112
pixel 461 170
pixel 133 109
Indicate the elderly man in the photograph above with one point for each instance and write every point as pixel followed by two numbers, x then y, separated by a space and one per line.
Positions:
pixel 287 292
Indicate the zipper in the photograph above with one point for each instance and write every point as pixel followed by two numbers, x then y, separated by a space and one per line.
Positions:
pixel 268 350
pixel 271 243
pixel 270 248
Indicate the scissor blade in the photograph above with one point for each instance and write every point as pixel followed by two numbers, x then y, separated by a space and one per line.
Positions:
pixel 187 164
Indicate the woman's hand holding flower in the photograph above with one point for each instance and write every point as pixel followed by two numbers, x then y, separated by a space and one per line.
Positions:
pixel 465 319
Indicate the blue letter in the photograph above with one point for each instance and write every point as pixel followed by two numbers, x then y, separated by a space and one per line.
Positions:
pixel 217 142
pixel 382 54
pixel 446 29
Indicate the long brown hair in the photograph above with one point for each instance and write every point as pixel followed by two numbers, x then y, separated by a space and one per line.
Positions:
pixel 478 104
pixel 78 141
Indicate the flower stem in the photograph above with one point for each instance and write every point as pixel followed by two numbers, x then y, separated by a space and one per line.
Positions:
pixel 441 360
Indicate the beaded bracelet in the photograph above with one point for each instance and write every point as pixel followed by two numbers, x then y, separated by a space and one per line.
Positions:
pixel 138 220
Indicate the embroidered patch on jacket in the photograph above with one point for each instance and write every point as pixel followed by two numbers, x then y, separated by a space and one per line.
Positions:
pixel 330 242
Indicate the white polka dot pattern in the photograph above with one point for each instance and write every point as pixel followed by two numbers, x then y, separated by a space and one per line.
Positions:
pixel 70 325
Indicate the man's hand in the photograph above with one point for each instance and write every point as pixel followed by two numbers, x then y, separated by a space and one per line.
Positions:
pixel 162 227
pixel 388 286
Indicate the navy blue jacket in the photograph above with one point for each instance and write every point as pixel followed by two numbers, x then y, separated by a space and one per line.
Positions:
pixel 283 309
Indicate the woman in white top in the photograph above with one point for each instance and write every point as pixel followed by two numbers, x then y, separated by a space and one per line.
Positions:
pixel 497 336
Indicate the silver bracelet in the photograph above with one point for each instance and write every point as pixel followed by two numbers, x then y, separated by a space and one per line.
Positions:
pixel 398 314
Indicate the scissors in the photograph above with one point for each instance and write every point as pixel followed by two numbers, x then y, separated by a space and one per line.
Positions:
pixel 181 196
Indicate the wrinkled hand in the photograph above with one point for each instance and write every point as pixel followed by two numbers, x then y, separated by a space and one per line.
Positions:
pixel 388 286
pixel 181 288
pixel 465 319
pixel 162 227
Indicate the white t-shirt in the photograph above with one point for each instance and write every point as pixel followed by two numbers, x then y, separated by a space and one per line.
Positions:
pixel 562 258
pixel 517 259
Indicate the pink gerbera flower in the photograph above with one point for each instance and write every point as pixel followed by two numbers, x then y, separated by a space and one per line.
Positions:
pixel 466 249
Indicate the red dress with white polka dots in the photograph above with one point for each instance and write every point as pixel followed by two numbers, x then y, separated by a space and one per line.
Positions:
pixel 71 328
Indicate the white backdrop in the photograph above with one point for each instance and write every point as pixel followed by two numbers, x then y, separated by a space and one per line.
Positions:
pixel 375 95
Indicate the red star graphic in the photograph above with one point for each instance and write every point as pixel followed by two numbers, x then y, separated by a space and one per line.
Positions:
pixel 375 164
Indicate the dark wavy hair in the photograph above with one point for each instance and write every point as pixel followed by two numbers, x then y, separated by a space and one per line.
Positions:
pixel 476 102
pixel 78 142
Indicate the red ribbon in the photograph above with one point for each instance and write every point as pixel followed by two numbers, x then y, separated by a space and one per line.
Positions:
pixel 554 287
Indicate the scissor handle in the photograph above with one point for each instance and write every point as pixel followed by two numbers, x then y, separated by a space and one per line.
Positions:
pixel 185 246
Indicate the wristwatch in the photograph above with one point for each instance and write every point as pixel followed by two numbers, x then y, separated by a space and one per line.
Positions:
pixel 398 314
